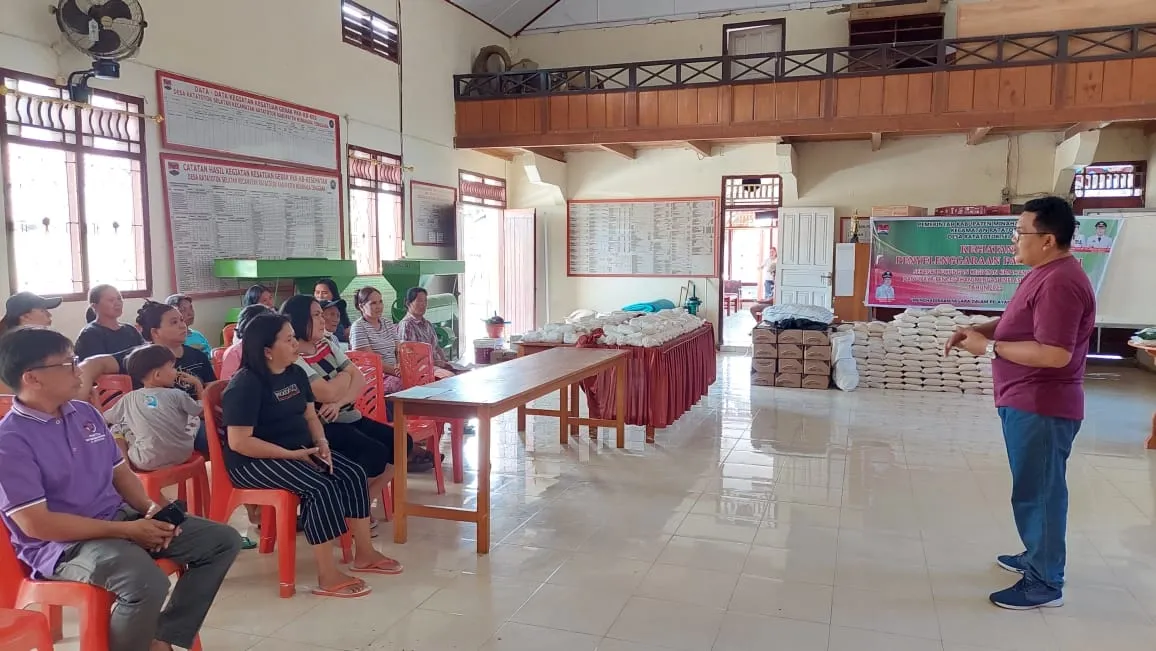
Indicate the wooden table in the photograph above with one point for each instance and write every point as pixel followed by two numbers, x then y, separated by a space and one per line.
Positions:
pixel 490 392
pixel 665 381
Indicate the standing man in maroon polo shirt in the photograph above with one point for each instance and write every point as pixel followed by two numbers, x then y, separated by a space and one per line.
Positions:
pixel 76 512
pixel 1039 347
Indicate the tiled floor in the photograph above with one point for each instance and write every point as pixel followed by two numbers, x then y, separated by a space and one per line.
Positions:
pixel 766 519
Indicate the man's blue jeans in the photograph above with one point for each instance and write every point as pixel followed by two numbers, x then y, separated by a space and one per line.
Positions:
pixel 1037 450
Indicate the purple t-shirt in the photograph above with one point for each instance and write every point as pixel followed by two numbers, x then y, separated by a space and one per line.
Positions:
pixel 64 461
pixel 1055 306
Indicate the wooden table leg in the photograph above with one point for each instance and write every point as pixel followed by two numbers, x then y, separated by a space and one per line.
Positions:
pixel 400 473
pixel 521 419
pixel 574 408
pixel 563 415
pixel 1151 444
pixel 620 400
pixel 484 418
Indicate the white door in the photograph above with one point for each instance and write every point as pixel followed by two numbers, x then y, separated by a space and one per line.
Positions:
pixel 806 256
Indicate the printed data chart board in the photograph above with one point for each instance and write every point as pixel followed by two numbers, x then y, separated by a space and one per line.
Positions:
pixel 223 209
pixel 433 214
pixel 205 117
pixel 646 237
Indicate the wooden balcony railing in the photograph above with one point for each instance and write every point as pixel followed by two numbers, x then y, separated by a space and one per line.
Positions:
pixel 1073 46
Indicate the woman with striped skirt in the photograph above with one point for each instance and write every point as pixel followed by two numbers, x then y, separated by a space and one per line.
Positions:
pixel 275 440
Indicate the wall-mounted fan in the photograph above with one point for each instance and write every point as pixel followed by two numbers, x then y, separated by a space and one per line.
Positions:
pixel 106 30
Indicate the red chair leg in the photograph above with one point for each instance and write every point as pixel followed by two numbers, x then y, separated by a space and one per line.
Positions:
pixel 55 615
pixel 287 552
pixel 346 548
pixel 387 500
pixel 94 622
pixel 182 492
pixel 269 522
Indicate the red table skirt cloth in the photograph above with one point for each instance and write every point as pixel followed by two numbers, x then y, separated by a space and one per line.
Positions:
pixel 664 381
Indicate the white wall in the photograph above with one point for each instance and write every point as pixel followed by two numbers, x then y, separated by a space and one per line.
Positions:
pixel 291 50
pixel 927 171
pixel 682 39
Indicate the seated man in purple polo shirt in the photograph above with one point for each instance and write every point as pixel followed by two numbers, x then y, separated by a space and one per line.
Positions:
pixel 76 511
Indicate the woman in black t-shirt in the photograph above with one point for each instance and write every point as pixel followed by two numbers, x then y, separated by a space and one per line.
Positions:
pixel 276 441
pixel 105 334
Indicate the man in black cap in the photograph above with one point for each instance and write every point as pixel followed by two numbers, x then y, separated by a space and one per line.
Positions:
pixel 28 309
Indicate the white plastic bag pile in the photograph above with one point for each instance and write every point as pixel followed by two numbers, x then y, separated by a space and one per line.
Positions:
pixel 908 353
pixel 620 328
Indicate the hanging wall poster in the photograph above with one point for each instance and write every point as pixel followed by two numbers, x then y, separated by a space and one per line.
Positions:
pixel 968 262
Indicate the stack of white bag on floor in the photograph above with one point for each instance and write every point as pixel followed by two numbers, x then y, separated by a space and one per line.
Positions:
pixel 907 353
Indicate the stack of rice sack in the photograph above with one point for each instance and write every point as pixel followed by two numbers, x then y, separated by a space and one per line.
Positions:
pixel 907 353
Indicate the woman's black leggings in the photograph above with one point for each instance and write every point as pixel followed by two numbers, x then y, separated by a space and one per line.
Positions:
pixel 366 441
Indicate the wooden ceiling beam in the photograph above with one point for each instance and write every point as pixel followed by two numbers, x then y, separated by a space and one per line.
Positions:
pixel 704 148
pixel 553 153
pixel 850 128
pixel 977 135
pixel 876 140
pixel 625 151
pixel 1080 127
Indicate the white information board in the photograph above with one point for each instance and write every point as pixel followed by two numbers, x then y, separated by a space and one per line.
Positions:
pixel 222 209
pixel 433 214
pixel 206 117
pixel 650 237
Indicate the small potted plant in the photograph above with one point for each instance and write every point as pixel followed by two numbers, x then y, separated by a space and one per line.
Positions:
pixel 495 326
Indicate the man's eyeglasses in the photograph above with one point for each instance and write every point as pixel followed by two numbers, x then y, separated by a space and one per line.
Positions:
pixel 74 363
pixel 1017 234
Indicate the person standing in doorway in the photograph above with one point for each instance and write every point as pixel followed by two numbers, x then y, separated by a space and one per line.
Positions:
pixel 1038 349
pixel 769 266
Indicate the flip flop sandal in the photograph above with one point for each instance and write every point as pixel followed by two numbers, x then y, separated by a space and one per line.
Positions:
pixel 247 543
pixel 341 590
pixel 377 568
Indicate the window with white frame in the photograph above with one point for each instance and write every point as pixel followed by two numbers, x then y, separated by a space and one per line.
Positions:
pixel 375 213
pixel 76 188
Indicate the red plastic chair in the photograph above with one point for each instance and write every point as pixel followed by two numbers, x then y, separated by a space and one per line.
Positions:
pixel 417 368
pixel 227 498
pixel 217 356
pixel 24 630
pixel 371 402
pixel 6 403
pixel 19 591
pixel 109 390
pixel 192 472
pixel 227 335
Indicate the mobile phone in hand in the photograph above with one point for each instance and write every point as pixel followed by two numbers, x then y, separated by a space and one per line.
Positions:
pixel 173 514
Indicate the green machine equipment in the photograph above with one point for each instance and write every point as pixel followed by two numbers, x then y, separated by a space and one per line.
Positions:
pixel 304 272
pixel 443 308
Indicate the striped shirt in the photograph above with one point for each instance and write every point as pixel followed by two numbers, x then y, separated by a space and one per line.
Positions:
pixel 380 339
pixel 413 328
pixel 326 362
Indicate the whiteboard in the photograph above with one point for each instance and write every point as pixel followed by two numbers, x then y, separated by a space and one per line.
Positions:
pixel 645 237
pixel 206 117
pixel 433 214
pixel 221 209
pixel 1122 300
